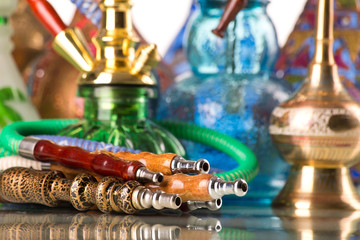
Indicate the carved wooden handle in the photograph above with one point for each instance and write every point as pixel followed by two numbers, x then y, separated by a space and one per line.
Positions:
pixel 75 157
pixel 189 188
pixel 153 162
pixel 47 16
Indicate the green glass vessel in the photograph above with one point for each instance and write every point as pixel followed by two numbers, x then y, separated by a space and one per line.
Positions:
pixel 119 115
pixel 117 85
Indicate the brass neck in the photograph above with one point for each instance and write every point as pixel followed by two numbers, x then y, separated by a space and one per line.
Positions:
pixel 323 70
pixel 116 40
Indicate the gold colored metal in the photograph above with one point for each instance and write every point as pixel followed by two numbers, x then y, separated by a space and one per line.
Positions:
pixel 318 224
pixel 318 131
pixel 116 62
pixel 71 45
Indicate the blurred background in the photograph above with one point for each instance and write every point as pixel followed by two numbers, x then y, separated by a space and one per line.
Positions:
pixel 149 15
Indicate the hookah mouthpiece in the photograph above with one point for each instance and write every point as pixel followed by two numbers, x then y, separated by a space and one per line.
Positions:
pixel 212 205
pixel 219 187
pixel 146 198
pixel 180 165
pixel 144 175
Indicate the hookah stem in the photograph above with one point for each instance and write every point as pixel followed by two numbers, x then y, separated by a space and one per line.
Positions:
pixel 202 187
pixel 76 157
pixel 47 15
pixel 166 163
pixel 23 185
pixel 232 8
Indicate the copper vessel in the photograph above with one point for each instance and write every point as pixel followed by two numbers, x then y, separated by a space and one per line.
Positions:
pixel 317 131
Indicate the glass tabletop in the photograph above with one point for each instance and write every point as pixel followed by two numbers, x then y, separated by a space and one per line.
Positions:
pixel 233 221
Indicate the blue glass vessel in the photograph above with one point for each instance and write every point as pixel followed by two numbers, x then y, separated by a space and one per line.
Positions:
pixel 231 90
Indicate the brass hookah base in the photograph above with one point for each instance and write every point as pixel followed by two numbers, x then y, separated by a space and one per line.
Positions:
pixel 310 188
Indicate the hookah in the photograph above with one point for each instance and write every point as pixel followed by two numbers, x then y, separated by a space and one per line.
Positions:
pixel 238 102
pixel 317 131
pixel 116 85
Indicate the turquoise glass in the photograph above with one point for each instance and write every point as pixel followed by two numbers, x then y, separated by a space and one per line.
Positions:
pixel 231 90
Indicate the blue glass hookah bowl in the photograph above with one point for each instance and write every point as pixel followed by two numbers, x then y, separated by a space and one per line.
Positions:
pixel 235 94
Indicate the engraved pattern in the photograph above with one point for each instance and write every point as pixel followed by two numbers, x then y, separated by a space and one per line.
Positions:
pixel 102 197
pixel 81 192
pixel 27 185
pixel 60 189
pixel 124 198
pixel 313 122
pixel 32 186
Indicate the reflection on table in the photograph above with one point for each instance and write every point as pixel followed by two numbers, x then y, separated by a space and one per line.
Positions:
pixel 22 221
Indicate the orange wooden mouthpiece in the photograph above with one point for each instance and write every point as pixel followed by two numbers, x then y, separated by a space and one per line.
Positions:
pixel 201 187
pixel 166 163
pixel 189 188
pixel 151 161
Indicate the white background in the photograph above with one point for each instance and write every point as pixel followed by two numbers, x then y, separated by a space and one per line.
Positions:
pixel 160 20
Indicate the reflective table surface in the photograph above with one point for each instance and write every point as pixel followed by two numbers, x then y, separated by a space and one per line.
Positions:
pixel 233 221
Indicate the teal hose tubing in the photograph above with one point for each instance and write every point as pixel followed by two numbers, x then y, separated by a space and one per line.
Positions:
pixel 12 135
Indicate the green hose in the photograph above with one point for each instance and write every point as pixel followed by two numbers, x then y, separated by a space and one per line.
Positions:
pixel 245 158
pixel 12 135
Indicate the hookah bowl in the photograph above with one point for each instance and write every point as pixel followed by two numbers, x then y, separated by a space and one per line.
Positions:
pixel 317 132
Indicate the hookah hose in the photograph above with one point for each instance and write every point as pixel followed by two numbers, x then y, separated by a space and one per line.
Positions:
pixel 12 135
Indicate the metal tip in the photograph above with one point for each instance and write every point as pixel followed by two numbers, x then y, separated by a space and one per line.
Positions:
pixel 144 175
pixel 158 178
pixel 219 187
pixel 163 200
pixel 145 198
pixel 180 165
pixel 212 205
pixel 202 166
pixel 240 187
pixel 215 204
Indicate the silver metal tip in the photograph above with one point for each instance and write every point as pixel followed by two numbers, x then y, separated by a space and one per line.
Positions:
pixel 145 198
pixel 158 178
pixel 172 201
pixel 144 175
pixel 202 166
pixel 240 187
pixel 180 165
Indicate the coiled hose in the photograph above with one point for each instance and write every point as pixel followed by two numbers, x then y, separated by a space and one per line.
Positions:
pixel 12 135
